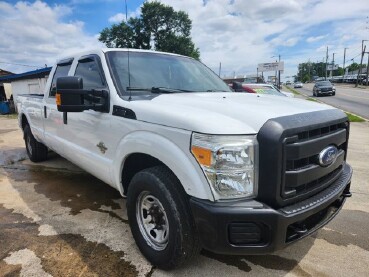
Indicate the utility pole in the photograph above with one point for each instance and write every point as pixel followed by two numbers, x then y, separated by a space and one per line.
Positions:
pixel 367 69
pixel 322 68
pixel 344 60
pixel 326 63
pixel 279 72
pixel 331 74
pixel 361 63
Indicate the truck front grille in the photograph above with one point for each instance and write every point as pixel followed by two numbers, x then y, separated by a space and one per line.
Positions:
pixel 289 148
pixel 302 173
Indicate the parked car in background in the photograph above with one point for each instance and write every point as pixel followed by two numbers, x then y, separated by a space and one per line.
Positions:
pixel 288 83
pixel 257 88
pixel 298 85
pixel 324 88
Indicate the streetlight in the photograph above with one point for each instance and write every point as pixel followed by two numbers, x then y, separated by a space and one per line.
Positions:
pixel 279 72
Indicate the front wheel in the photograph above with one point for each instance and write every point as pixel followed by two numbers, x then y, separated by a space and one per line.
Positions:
pixel 160 218
pixel 37 152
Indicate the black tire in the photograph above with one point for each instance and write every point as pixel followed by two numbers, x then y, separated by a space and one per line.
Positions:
pixel 37 152
pixel 182 242
pixel 333 94
pixel 314 94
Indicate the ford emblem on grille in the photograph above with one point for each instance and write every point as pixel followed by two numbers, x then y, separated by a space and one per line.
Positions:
pixel 328 155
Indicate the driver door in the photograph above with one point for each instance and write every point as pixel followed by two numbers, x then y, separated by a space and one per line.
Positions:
pixel 88 132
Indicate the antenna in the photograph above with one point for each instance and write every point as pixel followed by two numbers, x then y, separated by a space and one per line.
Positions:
pixel 129 72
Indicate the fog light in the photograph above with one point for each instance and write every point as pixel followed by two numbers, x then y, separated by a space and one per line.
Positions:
pixel 245 233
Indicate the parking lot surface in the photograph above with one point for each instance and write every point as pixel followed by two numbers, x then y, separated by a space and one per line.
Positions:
pixel 57 220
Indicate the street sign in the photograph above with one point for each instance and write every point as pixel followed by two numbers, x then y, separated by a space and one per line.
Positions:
pixel 263 67
pixel 331 67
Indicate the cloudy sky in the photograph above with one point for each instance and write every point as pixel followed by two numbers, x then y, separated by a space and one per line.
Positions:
pixel 238 33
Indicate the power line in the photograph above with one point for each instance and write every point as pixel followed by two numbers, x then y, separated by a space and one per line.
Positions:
pixel 21 64
pixel 354 57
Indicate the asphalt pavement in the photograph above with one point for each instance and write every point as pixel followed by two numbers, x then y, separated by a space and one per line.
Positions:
pixel 57 220
pixel 347 98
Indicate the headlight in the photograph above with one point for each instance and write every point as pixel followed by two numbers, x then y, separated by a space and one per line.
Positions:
pixel 229 163
pixel 333 89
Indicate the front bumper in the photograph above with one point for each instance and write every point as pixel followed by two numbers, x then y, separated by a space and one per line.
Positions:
pixel 251 227
pixel 326 92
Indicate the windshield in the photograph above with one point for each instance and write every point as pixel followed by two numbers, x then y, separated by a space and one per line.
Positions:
pixel 271 90
pixel 169 73
pixel 325 83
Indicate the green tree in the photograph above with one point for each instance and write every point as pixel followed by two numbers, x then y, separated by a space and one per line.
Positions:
pixel 159 27
pixel 355 66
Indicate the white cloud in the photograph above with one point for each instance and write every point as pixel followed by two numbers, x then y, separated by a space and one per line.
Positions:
pixel 241 34
pixel 119 17
pixel 314 39
pixel 35 34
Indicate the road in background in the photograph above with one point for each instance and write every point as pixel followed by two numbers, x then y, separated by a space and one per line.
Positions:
pixel 347 98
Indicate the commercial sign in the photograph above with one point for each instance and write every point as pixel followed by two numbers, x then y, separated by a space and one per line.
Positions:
pixel 332 67
pixel 263 67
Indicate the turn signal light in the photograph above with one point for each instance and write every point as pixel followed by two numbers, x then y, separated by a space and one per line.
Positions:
pixel 202 155
pixel 57 99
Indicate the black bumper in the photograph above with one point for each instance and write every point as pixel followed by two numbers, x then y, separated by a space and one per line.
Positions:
pixel 251 227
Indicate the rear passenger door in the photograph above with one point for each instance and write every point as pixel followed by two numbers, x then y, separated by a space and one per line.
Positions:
pixel 88 133
pixel 53 120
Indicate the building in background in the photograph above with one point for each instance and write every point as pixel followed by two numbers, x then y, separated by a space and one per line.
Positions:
pixel 5 88
pixel 31 82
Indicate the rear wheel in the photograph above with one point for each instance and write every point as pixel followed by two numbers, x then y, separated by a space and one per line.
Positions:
pixel 37 152
pixel 160 218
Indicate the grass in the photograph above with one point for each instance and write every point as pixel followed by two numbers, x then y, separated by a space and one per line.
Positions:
pixel 312 99
pixel 293 90
pixel 354 118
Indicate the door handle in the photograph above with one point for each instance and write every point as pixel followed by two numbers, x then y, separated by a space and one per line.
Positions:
pixel 45 112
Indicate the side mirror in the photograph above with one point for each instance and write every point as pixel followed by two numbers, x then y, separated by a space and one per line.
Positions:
pixel 71 97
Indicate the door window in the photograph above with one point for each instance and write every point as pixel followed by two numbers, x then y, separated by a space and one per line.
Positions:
pixel 62 70
pixel 89 69
pixel 90 72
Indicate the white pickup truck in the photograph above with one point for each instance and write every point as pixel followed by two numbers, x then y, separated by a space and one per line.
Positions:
pixel 201 166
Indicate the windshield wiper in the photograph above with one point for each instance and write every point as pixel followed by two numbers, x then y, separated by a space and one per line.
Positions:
pixel 214 90
pixel 158 89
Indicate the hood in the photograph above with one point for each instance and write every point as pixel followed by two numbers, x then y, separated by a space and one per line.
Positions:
pixel 319 87
pixel 220 113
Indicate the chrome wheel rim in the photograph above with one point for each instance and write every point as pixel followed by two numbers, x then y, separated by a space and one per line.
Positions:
pixel 152 221
pixel 29 146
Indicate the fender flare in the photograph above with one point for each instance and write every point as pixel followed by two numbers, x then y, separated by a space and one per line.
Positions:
pixel 184 167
